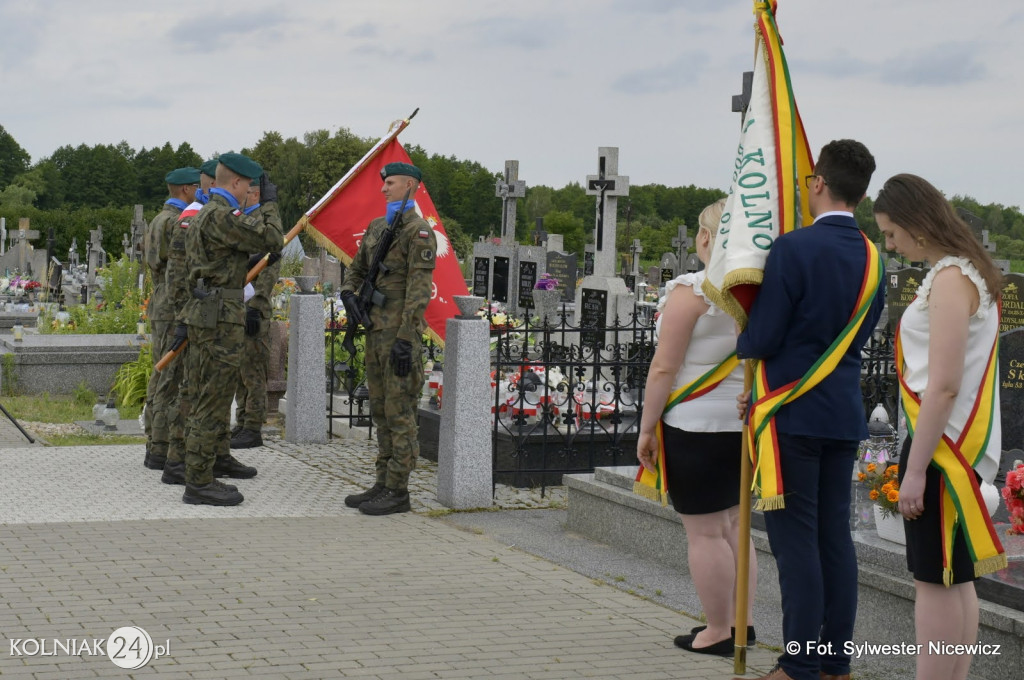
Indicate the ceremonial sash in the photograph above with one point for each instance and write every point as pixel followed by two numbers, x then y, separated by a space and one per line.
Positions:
pixel 962 507
pixel 654 485
pixel 763 439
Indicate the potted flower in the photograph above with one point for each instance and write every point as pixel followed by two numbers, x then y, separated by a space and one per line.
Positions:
pixel 1013 496
pixel 884 490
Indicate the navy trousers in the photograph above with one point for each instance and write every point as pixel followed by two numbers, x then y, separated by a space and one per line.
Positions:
pixel 813 547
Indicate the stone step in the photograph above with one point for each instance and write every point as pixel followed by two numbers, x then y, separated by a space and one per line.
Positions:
pixel 602 507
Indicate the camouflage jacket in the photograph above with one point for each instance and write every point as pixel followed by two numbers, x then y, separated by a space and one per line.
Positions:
pixel 408 281
pixel 264 283
pixel 156 243
pixel 217 246
pixel 176 275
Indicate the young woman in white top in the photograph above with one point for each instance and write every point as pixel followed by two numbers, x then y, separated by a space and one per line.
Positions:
pixel 702 442
pixel 947 336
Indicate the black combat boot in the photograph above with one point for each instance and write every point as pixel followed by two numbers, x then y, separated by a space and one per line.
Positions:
pixel 174 473
pixel 246 439
pixel 229 466
pixel 235 430
pixel 389 501
pixel 156 456
pixel 214 493
pixel 357 499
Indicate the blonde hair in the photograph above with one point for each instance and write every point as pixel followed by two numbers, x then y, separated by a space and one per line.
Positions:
pixel 710 217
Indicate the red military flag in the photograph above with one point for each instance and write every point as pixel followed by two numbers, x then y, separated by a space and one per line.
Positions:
pixel 339 220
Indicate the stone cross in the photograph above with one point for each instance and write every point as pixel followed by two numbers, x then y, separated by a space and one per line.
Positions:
pixel 3 235
pixel 607 186
pixel 636 249
pixel 94 253
pixel 508 190
pixel 741 101
pixel 126 246
pixel 20 241
pixel 73 253
pixel 135 247
pixel 682 242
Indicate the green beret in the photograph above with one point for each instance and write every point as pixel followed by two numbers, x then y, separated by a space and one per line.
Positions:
pixel 401 169
pixel 209 168
pixel 182 176
pixel 254 182
pixel 241 165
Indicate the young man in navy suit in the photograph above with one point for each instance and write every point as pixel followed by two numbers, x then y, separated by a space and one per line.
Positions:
pixel 812 280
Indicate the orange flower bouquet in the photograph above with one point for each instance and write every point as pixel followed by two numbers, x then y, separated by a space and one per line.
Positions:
pixel 884 487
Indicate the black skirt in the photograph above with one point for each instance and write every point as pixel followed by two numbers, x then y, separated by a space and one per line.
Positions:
pixel 924 534
pixel 703 470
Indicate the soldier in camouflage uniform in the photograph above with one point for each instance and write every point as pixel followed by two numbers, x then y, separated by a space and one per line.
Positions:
pixel 394 358
pixel 251 393
pixel 181 188
pixel 217 247
pixel 176 386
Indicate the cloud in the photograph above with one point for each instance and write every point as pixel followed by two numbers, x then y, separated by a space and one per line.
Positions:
pixel 214 32
pixel 378 52
pixel 530 34
pixel 936 65
pixel 672 77
pixel 21 30
pixel 365 30
pixel 666 6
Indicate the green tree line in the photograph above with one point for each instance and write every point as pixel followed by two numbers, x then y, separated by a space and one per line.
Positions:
pixel 76 189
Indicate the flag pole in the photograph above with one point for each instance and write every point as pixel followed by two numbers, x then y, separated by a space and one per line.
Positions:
pixel 393 131
pixel 743 551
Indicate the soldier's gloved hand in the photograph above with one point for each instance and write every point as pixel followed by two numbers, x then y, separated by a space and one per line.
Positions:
pixel 401 357
pixel 180 335
pixel 254 260
pixel 268 190
pixel 353 307
pixel 274 257
pixel 252 321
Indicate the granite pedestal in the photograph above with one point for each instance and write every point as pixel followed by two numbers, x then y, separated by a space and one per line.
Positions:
pixel 305 421
pixel 57 364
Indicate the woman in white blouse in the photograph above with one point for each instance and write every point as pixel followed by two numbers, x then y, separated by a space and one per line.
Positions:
pixel 947 340
pixel 702 442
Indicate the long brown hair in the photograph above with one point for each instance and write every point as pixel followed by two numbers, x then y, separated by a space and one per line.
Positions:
pixel 917 206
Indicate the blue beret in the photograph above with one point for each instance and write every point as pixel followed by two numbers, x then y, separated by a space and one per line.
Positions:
pixel 241 165
pixel 182 176
pixel 209 168
pixel 401 169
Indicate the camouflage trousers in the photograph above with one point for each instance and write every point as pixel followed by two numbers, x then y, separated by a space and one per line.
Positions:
pixel 251 394
pixel 212 374
pixel 178 404
pixel 155 420
pixel 394 403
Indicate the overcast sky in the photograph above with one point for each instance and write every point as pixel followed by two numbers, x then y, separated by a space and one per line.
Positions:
pixel 933 87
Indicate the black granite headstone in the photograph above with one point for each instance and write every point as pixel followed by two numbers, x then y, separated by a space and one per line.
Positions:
pixel 667 275
pixel 594 314
pixel 527 279
pixel 563 267
pixel 1013 307
pixel 630 280
pixel 588 263
pixel 500 293
pixel 900 291
pixel 1011 388
pixel 481 276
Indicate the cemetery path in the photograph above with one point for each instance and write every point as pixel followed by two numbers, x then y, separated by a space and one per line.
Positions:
pixel 292 584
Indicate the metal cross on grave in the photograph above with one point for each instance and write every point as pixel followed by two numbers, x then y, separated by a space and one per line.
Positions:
pixel 607 186
pixel 636 249
pixel 508 190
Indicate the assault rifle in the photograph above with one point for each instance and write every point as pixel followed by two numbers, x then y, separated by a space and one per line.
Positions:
pixel 369 295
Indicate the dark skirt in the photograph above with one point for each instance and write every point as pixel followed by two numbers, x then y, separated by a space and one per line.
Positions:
pixel 703 470
pixel 924 534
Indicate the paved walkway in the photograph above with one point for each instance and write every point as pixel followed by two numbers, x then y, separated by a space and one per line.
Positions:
pixel 292 584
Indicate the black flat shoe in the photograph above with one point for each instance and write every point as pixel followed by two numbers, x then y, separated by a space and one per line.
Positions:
pixel 722 648
pixel 751 634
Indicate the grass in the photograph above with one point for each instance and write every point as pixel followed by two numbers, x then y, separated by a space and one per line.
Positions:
pixel 94 439
pixel 44 408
